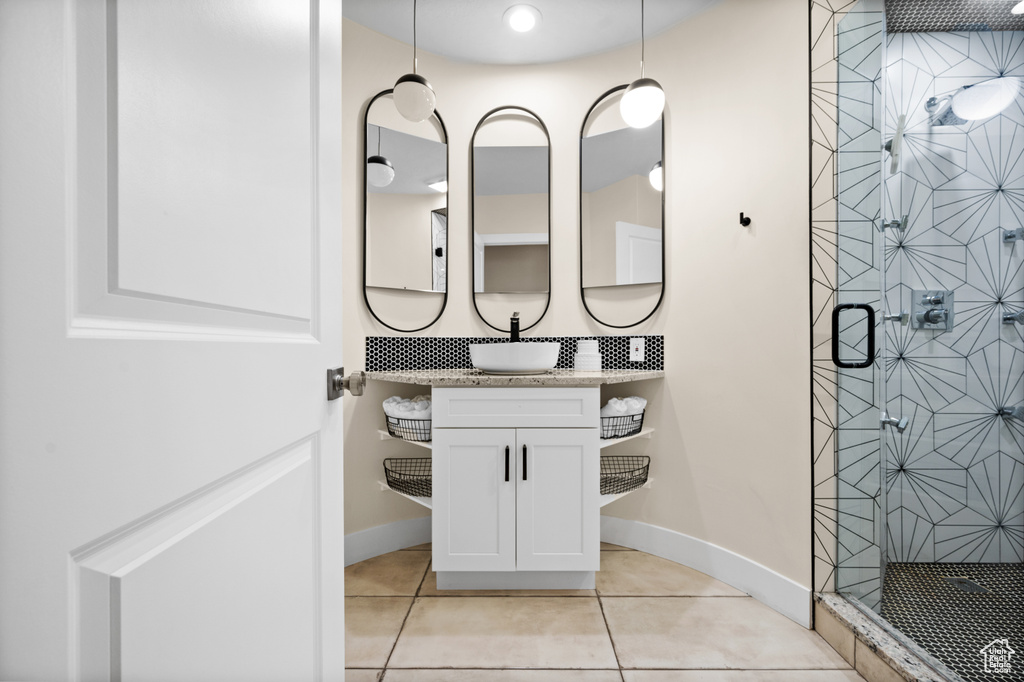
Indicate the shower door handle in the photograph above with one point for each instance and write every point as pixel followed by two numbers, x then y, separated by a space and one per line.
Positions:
pixel 871 335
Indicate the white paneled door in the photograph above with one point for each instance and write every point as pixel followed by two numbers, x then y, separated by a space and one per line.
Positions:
pixel 170 468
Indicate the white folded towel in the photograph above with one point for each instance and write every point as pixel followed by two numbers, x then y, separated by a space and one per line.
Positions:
pixel 406 408
pixel 615 407
pixel 624 407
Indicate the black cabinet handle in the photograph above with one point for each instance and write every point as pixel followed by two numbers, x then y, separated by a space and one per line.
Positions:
pixel 871 335
pixel 524 462
pixel 506 463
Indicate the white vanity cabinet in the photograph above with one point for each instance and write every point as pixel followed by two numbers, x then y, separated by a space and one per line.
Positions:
pixel 515 485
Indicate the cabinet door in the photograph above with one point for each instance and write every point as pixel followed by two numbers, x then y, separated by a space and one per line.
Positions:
pixel 474 517
pixel 558 507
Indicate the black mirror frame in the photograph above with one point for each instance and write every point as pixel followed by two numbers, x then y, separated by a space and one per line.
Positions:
pixel 664 274
pixel 447 157
pixel 472 212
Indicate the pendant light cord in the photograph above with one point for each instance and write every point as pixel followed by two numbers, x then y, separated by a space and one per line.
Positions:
pixel 414 58
pixel 642 42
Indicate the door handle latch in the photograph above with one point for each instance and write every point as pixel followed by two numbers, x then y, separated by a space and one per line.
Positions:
pixel 338 383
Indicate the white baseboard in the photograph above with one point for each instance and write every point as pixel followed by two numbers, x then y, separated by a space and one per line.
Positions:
pixel 390 537
pixel 763 584
pixel 768 587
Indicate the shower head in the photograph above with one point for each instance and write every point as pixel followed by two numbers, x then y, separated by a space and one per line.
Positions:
pixel 973 102
pixel 1012 412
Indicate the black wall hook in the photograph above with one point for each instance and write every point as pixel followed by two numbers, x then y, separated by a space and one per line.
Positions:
pixel 745 222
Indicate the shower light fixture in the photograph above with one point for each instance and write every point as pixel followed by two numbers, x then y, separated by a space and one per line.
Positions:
pixel 379 171
pixel 522 18
pixel 657 177
pixel 414 98
pixel 644 100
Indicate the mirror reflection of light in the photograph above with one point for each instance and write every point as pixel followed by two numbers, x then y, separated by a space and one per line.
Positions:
pixel 522 18
pixel 657 177
pixel 439 186
pixel 379 171
pixel 985 99
pixel 1018 8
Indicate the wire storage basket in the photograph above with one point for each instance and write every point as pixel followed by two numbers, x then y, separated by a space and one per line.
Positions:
pixel 409 429
pixel 409 475
pixel 622 473
pixel 620 427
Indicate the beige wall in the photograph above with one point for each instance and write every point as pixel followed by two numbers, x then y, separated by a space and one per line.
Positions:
pixel 731 455
pixel 510 213
pixel 516 268
pixel 399 246
pixel 632 200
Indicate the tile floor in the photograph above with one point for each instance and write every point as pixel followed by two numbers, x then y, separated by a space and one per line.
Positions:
pixel 649 620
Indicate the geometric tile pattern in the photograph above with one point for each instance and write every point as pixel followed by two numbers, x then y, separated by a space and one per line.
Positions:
pixel 860 254
pixel 949 489
pixel 955 478
pixel 390 353
pixel 954 624
pixel 824 181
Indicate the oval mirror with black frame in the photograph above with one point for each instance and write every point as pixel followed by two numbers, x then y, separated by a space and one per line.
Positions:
pixel 405 217
pixel 511 212
pixel 622 215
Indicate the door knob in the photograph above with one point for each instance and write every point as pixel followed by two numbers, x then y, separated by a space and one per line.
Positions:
pixel 338 383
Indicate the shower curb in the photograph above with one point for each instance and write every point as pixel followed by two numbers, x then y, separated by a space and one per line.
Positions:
pixel 904 660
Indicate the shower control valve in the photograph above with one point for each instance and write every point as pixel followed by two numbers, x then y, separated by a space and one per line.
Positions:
pixel 1010 318
pixel 933 316
pixel 932 310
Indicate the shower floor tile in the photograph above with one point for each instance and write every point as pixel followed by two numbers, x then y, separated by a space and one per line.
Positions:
pixel 941 608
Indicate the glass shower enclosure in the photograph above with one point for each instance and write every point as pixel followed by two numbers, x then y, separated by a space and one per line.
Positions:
pixel 928 333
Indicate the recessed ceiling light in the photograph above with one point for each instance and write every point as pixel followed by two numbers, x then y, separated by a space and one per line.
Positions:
pixel 522 18
pixel 1018 8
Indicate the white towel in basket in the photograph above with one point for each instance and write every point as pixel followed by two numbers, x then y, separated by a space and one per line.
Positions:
pixel 621 407
pixel 406 408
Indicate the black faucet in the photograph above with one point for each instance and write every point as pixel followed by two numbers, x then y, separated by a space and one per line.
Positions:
pixel 515 328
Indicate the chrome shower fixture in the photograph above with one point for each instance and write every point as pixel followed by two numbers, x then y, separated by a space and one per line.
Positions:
pixel 900 224
pixel 1010 236
pixel 932 310
pixel 899 424
pixel 1011 318
pixel 973 102
pixel 1012 412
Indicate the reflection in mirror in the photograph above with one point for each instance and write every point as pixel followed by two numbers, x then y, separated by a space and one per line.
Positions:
pixel 621 215
pixel 406 217
pixel 511 217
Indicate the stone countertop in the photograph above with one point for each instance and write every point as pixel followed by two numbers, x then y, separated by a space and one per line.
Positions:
pixel 554 377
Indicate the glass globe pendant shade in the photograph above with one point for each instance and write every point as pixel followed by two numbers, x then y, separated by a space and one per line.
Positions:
pixel 657 177
pixel 642 103
pixel 985 99
pixel 379 171
pixel 414 98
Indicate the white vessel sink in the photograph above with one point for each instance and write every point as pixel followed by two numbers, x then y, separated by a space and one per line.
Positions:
pixel 514 358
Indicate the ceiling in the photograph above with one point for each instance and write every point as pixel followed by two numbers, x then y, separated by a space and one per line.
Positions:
pixel 473 30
